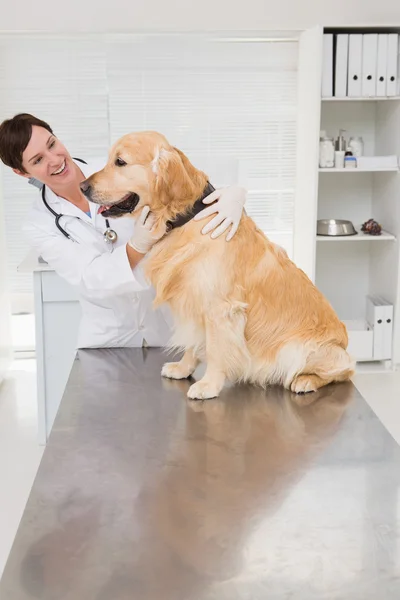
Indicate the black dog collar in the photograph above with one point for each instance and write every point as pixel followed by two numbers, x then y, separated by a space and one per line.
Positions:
pixel 197 207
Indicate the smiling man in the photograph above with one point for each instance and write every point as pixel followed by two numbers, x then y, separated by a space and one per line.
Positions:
pixel 100 256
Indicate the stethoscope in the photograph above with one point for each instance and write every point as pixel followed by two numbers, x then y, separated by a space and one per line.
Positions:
pixel 110 236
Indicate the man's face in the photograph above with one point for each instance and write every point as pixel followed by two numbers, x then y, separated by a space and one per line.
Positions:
pixel 46 158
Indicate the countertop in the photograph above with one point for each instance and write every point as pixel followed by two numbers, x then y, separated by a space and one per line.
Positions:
pixel 31 264
pixel 144 495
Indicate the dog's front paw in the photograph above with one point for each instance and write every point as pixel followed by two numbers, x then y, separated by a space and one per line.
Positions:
pixel 175 370
pixel 201 390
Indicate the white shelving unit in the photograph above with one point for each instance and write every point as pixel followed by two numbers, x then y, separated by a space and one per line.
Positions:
pixel 360 170
pixel 360 237
pixel 352 267
pixel 374 99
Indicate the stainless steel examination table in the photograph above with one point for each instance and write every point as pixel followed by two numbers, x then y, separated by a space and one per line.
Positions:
pixel 142 494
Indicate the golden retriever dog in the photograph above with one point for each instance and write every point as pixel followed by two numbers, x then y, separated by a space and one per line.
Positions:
pixel 242 306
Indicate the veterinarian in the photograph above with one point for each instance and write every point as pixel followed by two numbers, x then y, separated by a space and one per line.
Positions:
pixel 101 257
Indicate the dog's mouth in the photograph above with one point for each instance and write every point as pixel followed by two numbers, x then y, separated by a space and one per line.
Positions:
pixel 123 207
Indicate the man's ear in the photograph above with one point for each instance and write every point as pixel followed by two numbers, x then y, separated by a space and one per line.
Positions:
pixel 21 173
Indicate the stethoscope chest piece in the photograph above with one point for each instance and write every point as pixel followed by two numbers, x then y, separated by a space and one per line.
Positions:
pixel 110 236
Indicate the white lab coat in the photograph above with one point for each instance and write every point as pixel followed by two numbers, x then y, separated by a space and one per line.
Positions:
pixel 116 301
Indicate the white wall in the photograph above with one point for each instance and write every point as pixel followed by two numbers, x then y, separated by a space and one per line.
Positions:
pixel 130 15
pixel 5 312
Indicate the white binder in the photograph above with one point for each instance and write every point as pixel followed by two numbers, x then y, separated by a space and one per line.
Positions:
pixel 388 331
pixel 392 58
pixel 341 64
pixel 369 58
pixel 375 318
pixel 387 308
pixel 382 64
pixel 355 65
pixel 398 72
pixel 327 66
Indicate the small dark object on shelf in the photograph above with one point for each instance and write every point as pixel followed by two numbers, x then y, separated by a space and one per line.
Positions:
pixel 371 227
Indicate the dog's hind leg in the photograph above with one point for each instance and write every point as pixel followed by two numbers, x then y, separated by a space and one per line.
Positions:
pixel 328 364
pixel 226 350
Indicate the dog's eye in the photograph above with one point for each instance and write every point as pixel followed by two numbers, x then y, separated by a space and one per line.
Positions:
pixel 120 163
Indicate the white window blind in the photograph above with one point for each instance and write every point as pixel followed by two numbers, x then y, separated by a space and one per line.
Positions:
pixel 62 80
pixel 230 105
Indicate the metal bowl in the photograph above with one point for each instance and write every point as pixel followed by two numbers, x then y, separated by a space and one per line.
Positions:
pixel 335 227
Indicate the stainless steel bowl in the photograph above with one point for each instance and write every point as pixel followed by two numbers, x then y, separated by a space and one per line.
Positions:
pixel 335 227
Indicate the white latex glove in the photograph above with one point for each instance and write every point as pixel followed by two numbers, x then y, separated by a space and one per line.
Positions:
pixel 143 237
pixel 228 209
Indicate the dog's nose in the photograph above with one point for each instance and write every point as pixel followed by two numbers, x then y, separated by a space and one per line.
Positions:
pixel 85 187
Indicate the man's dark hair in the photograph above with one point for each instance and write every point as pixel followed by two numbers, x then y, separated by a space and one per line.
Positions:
pixel 15 135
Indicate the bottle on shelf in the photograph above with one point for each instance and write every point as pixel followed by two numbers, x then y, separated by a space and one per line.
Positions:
pixel 326 151
pixel 356 144
pixel 350 161
pixel 340 149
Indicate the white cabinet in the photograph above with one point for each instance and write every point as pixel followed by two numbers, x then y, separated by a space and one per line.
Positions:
pixel 349 269
pixel 57 316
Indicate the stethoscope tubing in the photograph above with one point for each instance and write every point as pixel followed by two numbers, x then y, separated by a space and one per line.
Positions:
pixel 109 235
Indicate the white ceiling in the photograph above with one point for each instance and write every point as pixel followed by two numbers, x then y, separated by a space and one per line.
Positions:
pixel 132 15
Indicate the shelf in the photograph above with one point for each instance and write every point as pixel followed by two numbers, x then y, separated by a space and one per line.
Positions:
pixel 372 367
pixel 375 99
pixel 360 170
pixel 360 237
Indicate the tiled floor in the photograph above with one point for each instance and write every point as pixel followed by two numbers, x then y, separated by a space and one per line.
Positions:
pixel 20 454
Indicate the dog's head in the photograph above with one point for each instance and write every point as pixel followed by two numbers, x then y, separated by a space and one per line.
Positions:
pixel 144 169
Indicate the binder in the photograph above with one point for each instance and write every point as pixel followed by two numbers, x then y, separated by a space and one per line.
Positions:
pixel 382 64
pixel 327 66
pixel 398 72
pixel 369 58
pixel 355 65
pixel 392 58
pixel 341 64
pixel 375 318
pixel 387 308
pixel 388 331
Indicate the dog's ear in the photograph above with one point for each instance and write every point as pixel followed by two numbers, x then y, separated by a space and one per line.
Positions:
pixel 175 176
